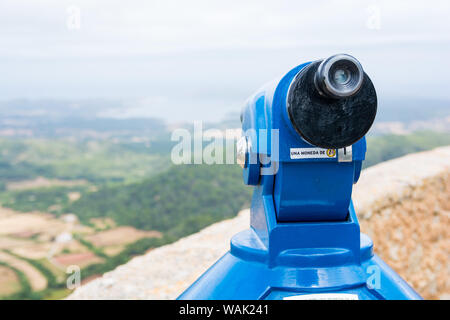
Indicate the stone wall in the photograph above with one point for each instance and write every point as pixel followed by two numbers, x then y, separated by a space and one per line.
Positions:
pixel 403 204
pixel 413 236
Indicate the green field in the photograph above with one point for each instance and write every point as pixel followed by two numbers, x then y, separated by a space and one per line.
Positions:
pixel 388 147
pixel 95 161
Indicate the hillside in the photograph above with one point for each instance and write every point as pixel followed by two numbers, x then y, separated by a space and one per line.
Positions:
pixel 95 161
pixel 391 146
pixel 179 201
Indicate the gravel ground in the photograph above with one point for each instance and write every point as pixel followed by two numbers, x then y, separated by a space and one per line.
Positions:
pixel 402 205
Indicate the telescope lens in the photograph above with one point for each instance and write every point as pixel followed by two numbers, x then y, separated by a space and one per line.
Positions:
pixel 339 76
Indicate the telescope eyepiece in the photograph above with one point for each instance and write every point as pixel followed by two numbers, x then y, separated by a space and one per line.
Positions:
pixel 332 103
pixel 339 76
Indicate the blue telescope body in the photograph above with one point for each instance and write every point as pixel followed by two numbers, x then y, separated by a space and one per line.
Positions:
pixel 302 149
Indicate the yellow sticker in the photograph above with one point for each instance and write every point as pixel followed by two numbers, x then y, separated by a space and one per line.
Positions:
pixel 331 153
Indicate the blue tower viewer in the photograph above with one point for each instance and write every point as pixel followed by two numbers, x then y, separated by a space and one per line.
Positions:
pixel 302 149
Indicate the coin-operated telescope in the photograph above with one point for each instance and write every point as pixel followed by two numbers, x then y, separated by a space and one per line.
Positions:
pixel 302 148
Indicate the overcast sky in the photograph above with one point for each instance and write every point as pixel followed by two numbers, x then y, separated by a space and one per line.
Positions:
pixel 200 59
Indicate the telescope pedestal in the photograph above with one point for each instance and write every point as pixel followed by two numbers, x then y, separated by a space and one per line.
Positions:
pixel 243 273
pixel 251 270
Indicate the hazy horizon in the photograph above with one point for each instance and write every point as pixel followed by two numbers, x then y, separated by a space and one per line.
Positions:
pixel 202 59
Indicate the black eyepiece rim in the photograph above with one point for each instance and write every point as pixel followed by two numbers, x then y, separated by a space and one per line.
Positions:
pixel 328 122
pixel 327 86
